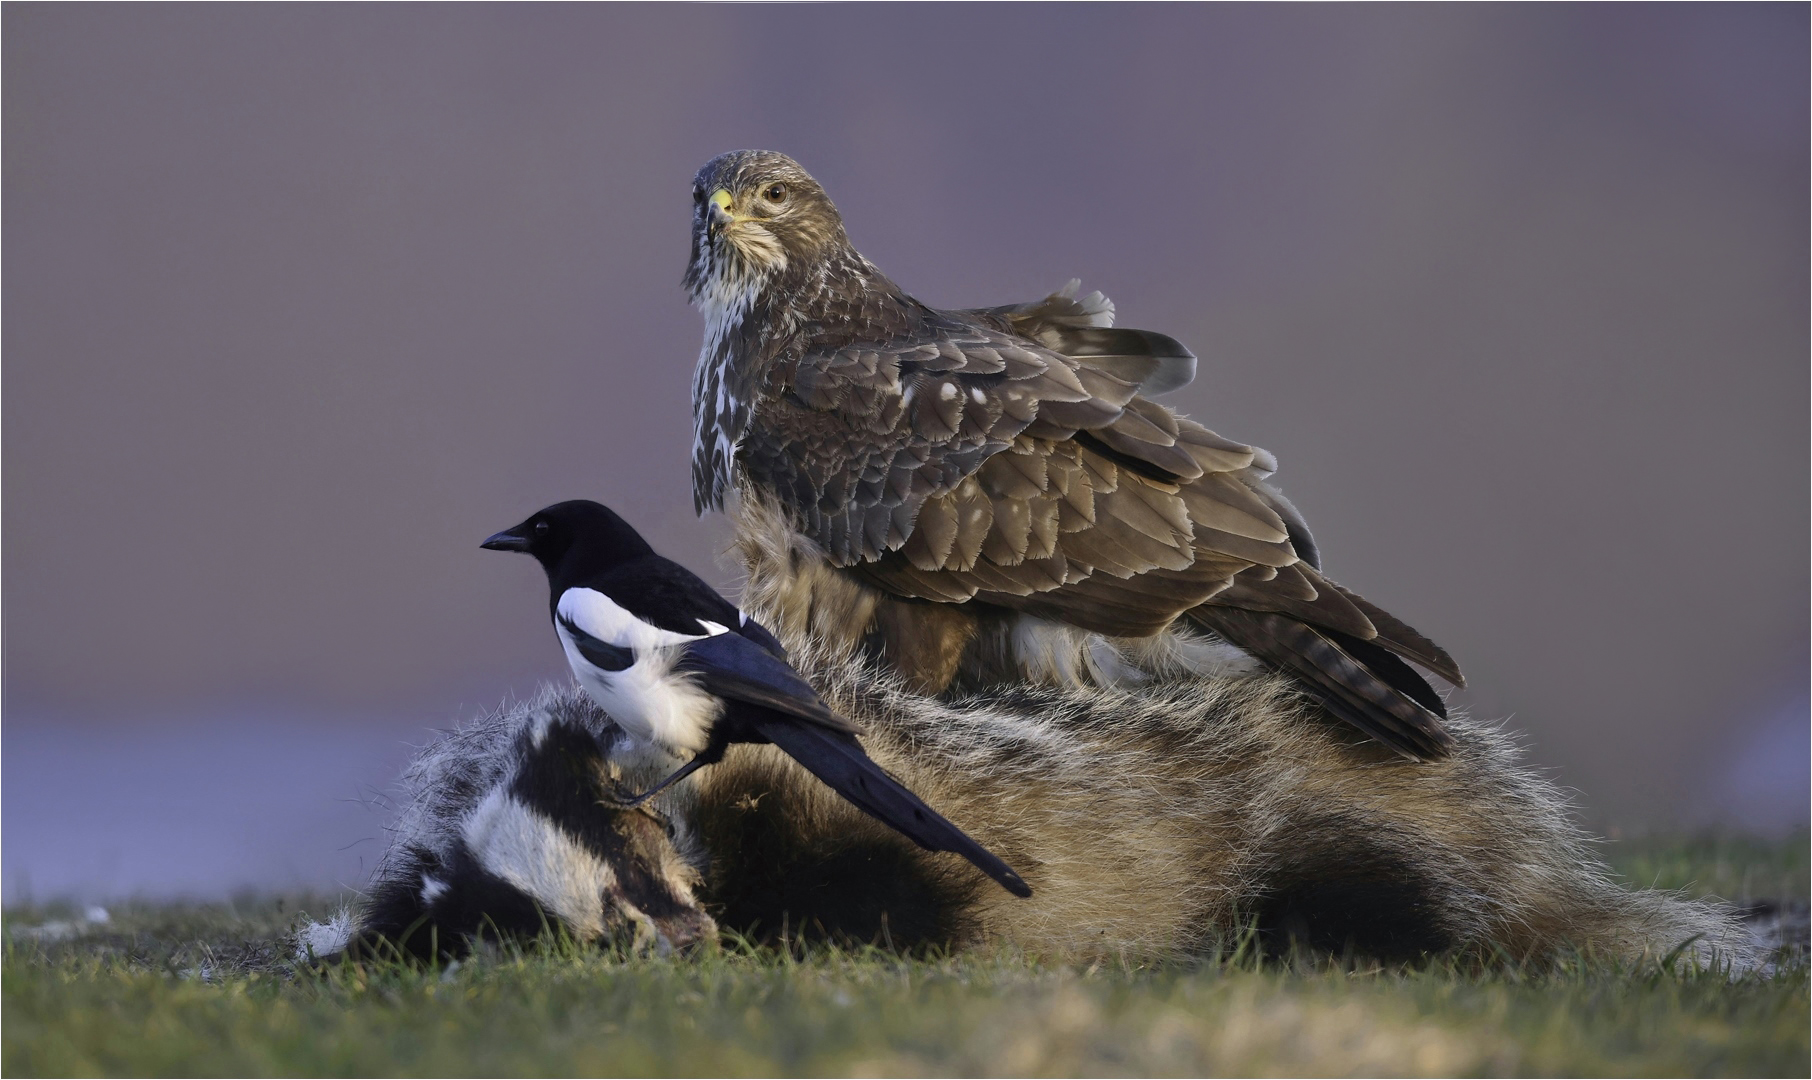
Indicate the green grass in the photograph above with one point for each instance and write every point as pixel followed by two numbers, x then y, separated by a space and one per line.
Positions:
pixel 1733 867
pixel 197 990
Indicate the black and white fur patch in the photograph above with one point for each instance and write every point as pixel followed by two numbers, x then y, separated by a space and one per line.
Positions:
pixel 543 849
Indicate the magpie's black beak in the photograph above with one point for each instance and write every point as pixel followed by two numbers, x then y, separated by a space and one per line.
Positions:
pixel 507 540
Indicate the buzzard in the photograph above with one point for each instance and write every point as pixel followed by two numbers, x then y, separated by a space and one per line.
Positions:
pixel 978 484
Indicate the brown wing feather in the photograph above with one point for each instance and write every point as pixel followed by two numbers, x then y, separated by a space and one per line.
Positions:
pixel 1133 607
pixel 1301 593
pixel 1402 639
pixel 1345 686
pixel 1082 328
pixel 992 464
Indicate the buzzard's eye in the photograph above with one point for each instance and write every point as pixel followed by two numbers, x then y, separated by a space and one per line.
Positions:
pixel 698 196
pixel 775 193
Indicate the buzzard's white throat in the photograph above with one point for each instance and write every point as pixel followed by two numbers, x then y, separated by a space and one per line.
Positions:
pixel 725 297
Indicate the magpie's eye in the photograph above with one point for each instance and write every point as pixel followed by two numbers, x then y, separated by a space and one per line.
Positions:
pixel 540 528
pixel 775 193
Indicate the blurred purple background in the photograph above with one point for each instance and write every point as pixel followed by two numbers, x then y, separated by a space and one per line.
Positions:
pixel 302 302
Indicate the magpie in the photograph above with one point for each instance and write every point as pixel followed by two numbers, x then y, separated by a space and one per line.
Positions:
pixel 683 671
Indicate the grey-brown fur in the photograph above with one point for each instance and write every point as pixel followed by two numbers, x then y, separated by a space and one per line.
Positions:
pixel 1152 821
pixel 1148 823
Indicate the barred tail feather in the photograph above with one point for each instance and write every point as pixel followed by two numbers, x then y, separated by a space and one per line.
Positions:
pixel 1357 681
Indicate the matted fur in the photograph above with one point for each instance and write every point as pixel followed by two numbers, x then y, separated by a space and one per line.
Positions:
pixel 1148 822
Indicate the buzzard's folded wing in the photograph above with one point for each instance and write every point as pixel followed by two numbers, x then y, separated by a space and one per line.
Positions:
pixel 1082 328
pixel 1357 681
pixel 945 459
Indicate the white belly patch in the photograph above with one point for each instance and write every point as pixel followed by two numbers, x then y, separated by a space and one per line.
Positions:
pixel 651 702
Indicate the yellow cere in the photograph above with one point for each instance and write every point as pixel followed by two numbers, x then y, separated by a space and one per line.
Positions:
pixel 722 199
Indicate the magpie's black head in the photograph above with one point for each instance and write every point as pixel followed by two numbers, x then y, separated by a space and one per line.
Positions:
pixel 573 536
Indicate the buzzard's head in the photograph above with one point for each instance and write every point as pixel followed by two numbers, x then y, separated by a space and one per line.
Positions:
pixel 755 213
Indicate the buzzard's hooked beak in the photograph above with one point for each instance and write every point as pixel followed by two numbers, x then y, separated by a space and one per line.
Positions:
pixel 717 213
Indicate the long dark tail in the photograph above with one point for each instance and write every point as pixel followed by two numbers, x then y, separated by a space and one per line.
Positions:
pixel 1357 681
pixel 839 761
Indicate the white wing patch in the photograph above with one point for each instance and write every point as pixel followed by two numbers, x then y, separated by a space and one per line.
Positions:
pixel 650 702
pixel 609 621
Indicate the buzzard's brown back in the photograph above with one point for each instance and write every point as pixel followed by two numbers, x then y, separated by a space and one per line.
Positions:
pixel 1011 459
